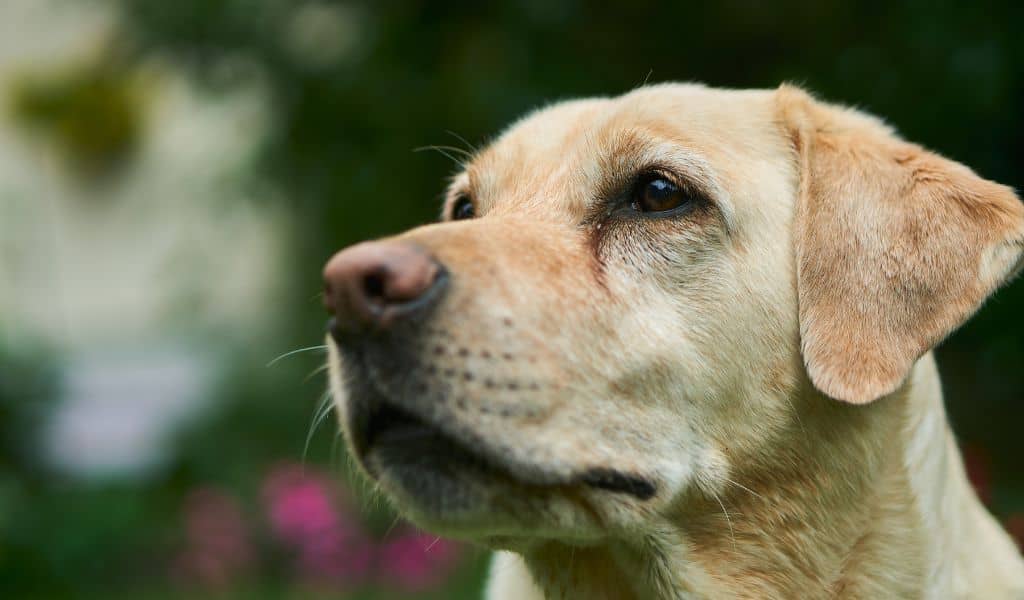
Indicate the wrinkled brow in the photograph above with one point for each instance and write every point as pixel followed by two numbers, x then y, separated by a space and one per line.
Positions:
pixel 602 163
pixel 619 157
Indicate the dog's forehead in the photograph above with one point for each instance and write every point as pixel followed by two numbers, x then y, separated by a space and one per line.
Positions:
pixel 553 158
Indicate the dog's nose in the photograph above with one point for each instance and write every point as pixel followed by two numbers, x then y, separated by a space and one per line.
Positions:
pixel 374 284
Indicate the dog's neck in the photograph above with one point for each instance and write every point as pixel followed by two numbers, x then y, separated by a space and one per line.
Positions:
pixel 846 508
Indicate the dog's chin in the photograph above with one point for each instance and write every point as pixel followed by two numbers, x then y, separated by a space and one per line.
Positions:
pixel 428 471
pixel 447 479
pixel 439 480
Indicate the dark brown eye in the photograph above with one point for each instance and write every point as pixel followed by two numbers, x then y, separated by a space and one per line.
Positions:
pixel 654 194
pixel 463 208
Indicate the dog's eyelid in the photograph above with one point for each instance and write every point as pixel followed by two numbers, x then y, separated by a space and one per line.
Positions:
pixel 688 184
pixel 451 197
pixel 620 192
pixel 696 180
pixel 461 184
pixel 459 206
pixel 691 170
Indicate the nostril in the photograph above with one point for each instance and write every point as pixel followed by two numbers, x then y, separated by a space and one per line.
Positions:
pixel 374 285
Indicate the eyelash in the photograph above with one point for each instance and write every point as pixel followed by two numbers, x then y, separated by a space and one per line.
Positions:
pixel 623 202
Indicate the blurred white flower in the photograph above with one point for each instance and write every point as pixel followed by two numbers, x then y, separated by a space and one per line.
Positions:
pixel 320 35
pixel 115 413
pixel 180 250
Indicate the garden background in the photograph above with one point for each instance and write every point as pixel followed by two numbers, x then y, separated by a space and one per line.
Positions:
pixel 173 175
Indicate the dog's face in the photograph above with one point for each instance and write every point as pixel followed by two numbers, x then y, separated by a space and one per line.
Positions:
pixel 625 298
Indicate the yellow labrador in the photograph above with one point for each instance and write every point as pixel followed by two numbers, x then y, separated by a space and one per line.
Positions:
pixel 676 344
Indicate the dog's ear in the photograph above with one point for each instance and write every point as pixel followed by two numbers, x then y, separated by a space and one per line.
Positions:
pixel 895 246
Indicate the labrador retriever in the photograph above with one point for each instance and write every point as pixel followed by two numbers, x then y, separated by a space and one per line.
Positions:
pixel 677 344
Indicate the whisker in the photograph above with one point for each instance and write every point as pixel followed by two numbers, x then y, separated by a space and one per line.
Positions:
pixel 732 534
pixel 391 527
pixel 316 372
pixel 432 544
pixel 743 487
pixel 297 351
pixel 322 410
pixel 473 149
pixel 447 151
pixel 796 414
pixel 648 77
pixel 460 151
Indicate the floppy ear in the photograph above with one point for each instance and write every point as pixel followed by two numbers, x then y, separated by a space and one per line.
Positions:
pixel 895 247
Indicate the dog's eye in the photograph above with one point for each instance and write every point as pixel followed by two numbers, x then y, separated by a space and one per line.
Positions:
pixel 463 208
pixel 655 194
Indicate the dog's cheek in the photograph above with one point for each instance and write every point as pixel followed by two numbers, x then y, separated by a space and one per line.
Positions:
pixel 646 247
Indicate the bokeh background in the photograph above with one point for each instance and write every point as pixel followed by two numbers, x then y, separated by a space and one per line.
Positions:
pixel 174 174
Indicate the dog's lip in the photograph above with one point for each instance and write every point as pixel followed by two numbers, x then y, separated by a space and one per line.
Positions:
pixel 390 426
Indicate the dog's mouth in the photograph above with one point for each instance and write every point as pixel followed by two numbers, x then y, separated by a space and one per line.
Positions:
pixel 393 434
pixel 429 456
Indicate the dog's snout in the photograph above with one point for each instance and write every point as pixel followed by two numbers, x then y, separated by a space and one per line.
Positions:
pixel 373 284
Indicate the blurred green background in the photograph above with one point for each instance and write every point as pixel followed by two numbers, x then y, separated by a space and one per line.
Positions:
pixel 174 174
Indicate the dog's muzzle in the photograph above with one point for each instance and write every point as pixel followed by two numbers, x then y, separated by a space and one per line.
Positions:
pixel 402 408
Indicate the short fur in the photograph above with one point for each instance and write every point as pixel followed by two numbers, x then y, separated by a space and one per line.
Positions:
pixel 762 361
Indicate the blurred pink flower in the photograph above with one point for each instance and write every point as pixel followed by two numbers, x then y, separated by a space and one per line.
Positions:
pixel 416 561
pixel 217 543
pixel 308 513
pixel 314 520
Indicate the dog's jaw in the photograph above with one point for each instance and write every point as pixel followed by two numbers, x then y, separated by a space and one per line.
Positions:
pixel 448 478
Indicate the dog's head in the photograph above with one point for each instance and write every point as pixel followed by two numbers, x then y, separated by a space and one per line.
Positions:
pixel 628 297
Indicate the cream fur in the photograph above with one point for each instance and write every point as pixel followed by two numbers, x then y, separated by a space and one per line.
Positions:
pixel 730 356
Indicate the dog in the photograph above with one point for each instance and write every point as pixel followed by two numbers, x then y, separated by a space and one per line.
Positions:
pixel 677 344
